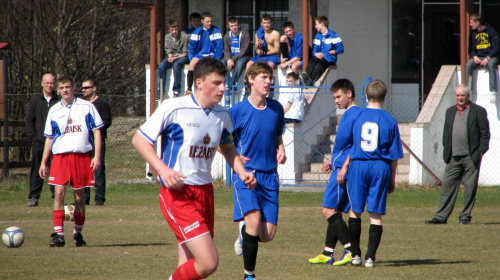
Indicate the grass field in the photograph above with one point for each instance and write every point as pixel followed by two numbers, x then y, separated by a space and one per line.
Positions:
pixel 129 239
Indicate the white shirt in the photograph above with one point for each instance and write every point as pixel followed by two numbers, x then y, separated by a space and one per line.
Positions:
pixel 70 126
pixel 191 135
pixel 295 97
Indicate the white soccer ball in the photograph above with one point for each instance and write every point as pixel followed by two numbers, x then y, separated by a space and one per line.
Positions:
pixel 69 212
pixel 13 237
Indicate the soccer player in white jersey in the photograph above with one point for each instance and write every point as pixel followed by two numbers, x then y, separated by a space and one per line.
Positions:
pixel 68 130
pixel 258 127
pixel 192 127
pixel 372 164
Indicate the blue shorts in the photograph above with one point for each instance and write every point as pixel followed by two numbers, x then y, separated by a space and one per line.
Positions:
pixel 274 58
pixel 264 197
pixel 368 183
pixel 335 196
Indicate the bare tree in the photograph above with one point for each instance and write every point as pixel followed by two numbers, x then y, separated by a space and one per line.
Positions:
pixel 82 38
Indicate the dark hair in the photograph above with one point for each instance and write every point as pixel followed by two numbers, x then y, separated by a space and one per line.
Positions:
pixel 205 15
pixel 322 20
pixel 207 66
pixel 64 79
pixel 255 69
pixel 376 91
pixel 266 17
pixel 233 20
pixel 194 15
pixel 345 85
pixel 292 75
pixel 172 23
pixel 477 17
pixel 90 80
pixel 288 24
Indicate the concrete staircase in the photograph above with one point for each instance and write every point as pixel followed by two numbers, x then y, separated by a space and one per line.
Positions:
pixel 315 175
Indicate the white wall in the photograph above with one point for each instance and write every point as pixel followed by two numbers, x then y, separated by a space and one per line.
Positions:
pixel 364 27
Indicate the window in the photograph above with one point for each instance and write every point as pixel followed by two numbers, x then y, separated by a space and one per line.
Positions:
pixel 249 12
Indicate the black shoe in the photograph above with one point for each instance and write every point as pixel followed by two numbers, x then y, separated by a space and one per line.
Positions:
pixel 57 240
pixel 435 221
pixel 305 79
pixel 99 202
pixel 33 202
pixel 79 242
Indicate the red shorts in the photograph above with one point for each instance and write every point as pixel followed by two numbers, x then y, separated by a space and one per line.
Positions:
pixel 71 169
pixel 189 211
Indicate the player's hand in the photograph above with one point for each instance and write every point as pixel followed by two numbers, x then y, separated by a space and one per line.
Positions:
pixel 230 64
pixel 283 65
pixel 319 55
pixel 95 164
pixel 392 186
pixel 249 179
pixel 326 167
pixel 171 178
pixel 171 60
pixel 341 176
pixel 281 156
pixel 484 62
pixel 43 171
pixel 244 159
pixel 476 60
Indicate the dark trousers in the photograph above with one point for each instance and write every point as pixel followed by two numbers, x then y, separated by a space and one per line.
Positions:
pixel 316 67
pixel 99 177
pixel 36 182
pixel 459 169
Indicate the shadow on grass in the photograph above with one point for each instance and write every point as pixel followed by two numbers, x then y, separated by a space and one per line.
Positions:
pixel 492 223
pixel 133 244
pixel 419 262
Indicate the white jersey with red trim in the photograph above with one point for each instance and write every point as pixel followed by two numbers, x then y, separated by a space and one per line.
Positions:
pixel 70 126
pixel 190 135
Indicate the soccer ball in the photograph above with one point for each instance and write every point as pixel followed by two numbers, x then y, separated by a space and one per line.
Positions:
pixel 69 211
pixel 13 237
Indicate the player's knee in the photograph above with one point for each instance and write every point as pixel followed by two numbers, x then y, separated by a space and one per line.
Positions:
pixel 328 212
pixel 208 266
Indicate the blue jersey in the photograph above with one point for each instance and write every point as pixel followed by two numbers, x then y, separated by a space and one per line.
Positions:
pixel 261 35
pixel 235 43
pixel 206 43
pixel 343 139
pixel 296 46
pixel 256 131
pixel 324 43
pixel 376 136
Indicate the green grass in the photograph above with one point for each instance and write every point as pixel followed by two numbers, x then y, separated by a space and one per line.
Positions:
pixel 129 239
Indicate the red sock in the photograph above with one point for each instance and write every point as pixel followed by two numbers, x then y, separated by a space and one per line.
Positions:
pixel 186 272
pixel 58 220
pixel 79 221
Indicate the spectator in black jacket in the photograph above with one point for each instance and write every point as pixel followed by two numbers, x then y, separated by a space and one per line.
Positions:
pixel 89 90
pixel 36 114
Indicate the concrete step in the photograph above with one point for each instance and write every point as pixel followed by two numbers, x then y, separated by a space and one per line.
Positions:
pixel 315 176
pixel 316 167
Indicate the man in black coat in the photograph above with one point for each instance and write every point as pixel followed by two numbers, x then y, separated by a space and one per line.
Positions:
pixel 36 114
pixel 466 138
pixel 89 90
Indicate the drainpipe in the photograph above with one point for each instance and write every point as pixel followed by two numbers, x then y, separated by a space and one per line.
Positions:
pixel 305 33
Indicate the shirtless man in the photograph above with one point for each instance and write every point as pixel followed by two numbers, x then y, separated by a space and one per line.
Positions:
pixel 267 43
